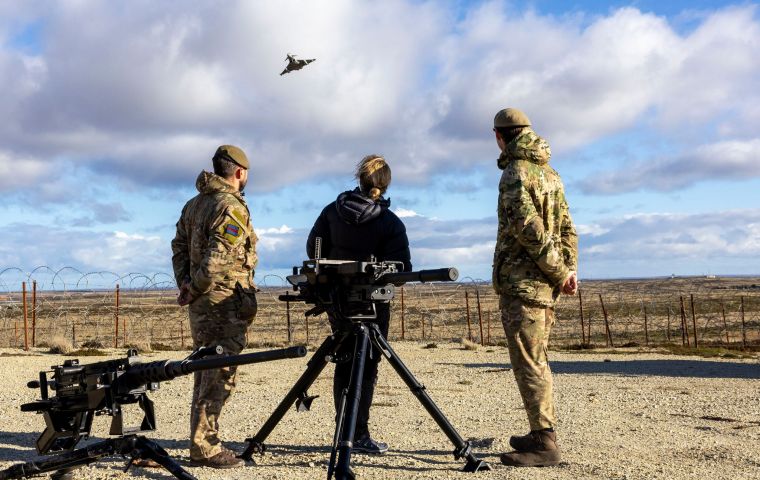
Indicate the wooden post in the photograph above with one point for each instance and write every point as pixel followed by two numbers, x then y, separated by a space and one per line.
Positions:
pixel 74 333
pixel 725 325
pixel 684 325
pixel 467 309
pixel 646 327
pixel 403 327
pixel 182 334
pixel 34 313
pixel 488 326
pixel 422 322
pixel 606 323
pixel 744 326
pixel 667 331
pixel 694 320
pixel 480 318
pixel 583 328
pixel 26 329
pixel 116 327
pixel 287 313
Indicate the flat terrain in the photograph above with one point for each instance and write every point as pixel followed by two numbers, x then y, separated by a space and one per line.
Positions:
pixel 623 415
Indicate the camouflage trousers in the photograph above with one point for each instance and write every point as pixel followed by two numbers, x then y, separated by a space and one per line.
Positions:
pixel 527 329
pixel 212 388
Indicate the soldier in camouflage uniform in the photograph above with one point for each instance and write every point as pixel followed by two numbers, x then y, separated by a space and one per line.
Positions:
pixel 214 255
pixel 534 262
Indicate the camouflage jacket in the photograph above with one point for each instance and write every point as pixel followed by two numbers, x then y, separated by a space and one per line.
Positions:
pixel 215 245
pixel 536 244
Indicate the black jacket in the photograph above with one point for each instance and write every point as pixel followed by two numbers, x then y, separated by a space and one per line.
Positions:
pixel 353 227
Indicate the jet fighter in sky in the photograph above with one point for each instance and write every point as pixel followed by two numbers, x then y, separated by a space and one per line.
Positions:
pixel 295 64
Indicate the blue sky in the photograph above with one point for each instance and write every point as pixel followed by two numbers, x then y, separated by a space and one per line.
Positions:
pixel 652 110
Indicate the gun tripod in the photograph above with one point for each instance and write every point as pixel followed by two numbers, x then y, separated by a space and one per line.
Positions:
pixel 340 457
pixel 134 446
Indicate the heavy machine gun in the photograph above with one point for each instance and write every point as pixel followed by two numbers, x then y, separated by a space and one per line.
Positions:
pixel 348 291
pixel 82 392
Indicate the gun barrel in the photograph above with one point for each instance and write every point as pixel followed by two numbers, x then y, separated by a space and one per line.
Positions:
pixel 160 371
pixel 246 358
pixel 436 275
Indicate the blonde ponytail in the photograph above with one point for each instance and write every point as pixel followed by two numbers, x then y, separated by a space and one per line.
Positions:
pixel 374 176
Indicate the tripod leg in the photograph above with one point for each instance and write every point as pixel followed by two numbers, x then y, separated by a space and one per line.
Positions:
pixel 315 366
pixel 341 415
pixel 62 465
pixel 462 449
pixel 343 466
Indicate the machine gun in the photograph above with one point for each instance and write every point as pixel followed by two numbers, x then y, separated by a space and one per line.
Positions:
pixel 348 291
pixel 82 392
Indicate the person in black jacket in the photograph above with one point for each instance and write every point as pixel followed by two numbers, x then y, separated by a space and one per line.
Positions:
pixel 357 225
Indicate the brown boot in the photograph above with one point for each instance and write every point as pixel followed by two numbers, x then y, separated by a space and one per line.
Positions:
pixel 541 450
pixel 224 459
pixel 523 443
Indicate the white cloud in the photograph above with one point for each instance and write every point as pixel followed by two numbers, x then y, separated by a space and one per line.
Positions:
pixel 727 160
pixel 405 213
pixel 148 91
pixel 284 229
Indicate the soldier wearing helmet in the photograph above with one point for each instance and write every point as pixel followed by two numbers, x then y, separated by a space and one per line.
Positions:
pixel 214 255
pixel 534 262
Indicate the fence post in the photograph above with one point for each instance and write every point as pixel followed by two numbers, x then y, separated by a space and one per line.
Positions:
pixel 694 320
pixel 488 326
pixel 182 334
pixel 684 325
pixel 290 329
pixel 26 329
pixel 744 326
pixel 116 327
pixel 646 327
pixel 306 318
pixel 467 309
pixel 583 327
pixel 403 327
pixel 74 333
pixel 667 331
pixel 725 325
pixel 480 318
pixel 606 323
pixel 34 313
pixel 422 322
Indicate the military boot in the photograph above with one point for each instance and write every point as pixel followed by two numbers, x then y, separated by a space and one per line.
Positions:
pixel 542 451
pixel 524 443
pixel 224 459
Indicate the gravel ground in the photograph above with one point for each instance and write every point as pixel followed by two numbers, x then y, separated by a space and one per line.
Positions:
pixel 622 416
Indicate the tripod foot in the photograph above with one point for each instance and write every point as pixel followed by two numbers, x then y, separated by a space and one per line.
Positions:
pixel 475 464
pixel 254 446
pixel 303 402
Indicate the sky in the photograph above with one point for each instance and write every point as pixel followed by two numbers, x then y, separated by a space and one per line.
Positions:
pixel 111 110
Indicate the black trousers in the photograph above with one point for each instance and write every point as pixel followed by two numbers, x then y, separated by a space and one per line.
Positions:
pixel 343 372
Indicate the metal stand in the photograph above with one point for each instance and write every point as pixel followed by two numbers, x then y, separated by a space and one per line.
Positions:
pixel 61 466
pixel 365 334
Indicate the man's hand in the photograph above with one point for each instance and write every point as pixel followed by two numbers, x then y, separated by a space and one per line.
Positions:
pixel 184 297
pixel 570 286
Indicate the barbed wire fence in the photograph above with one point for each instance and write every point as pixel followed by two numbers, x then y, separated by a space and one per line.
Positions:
pixel 106 309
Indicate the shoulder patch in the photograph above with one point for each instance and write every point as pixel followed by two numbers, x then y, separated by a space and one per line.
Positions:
pixel 231 230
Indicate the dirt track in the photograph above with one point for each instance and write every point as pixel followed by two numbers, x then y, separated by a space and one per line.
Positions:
pixel 622 416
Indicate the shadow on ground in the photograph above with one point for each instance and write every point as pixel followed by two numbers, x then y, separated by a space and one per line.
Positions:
pixel 662 368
